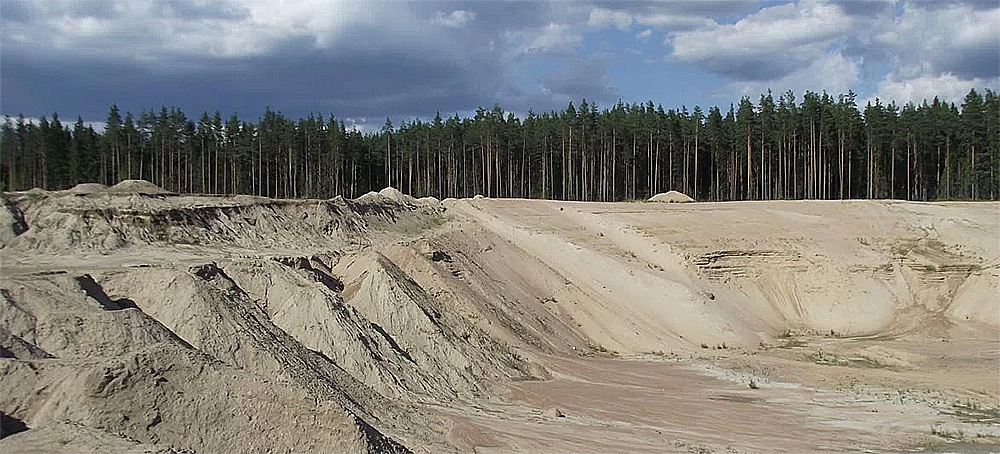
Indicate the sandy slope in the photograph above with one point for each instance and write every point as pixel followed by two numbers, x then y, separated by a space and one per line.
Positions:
pixel 133 320
pixel 673 276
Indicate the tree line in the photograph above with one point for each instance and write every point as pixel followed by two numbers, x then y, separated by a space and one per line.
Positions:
pixel 821 147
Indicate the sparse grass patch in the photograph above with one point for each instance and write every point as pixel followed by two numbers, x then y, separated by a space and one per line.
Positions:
pixel 957 434
pixel 601 349
pixel 429 223
pixel 829 359
pixel 973 412
pixel 792 343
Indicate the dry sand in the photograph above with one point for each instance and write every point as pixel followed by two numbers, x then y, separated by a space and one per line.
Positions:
pixel 671 197
pixel 132 320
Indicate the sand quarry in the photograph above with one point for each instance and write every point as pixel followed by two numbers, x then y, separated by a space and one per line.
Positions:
pixel 136 320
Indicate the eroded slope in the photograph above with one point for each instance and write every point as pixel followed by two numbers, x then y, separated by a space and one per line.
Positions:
pixel 129 320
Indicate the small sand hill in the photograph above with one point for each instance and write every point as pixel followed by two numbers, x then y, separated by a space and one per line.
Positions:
pixel 429 200
pixel 141 187
pixel 393 194
pixel 387 195
pixel 88 188
pixel 671 197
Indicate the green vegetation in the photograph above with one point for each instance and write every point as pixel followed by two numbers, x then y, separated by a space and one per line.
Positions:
pixel 823 147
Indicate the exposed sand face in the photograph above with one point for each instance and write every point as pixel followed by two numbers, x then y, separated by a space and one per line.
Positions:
pixel 472 325
pixel 744 272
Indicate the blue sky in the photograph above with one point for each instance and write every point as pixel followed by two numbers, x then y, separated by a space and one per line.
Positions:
pixel 363 61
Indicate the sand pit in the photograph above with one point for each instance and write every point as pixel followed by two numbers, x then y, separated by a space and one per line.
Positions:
pixel 388 323
pixel 671 197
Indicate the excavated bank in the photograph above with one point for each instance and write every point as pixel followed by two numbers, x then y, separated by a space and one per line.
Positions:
pixel 135 320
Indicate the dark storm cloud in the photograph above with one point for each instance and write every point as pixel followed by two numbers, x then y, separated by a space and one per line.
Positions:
pixel 355 84
pixel 753 68
pixel 982 60
pixel 368 72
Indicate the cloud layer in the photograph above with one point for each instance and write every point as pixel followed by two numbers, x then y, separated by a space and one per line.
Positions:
pixel 409 59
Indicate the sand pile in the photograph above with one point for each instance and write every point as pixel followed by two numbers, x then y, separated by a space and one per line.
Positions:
pixel 159 376
pixel 426 332
pixel 88 188
pixel 671 197
pixel 393 194
pixel 141 187
pixel 173 321
pixel 389 195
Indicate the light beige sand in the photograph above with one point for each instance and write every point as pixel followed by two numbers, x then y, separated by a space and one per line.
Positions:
pixel 132 322
pixel 671 197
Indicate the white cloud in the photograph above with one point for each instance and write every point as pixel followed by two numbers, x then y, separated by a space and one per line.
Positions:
pixel 947 87
pixel 663 17
pixel 771 30
pixel 456 19
pixel 941 50
pixel 552 38
pixel 956 39
pixel 360 124
pixel 603 17
pixel 767 45
pixel 673 22
pixel 644 34
pixel 145 30
pixel 832 73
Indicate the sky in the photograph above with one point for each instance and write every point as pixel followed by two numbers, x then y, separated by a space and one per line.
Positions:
pixel 364 61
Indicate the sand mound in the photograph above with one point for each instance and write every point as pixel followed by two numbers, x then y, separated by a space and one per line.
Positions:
pixel 429 200
pixel 67 437
pixel 394 195
pixel 87 188
pixel 389 195
pixel 370 197
pixel 138 187
pixel 671 197
pixel 554 413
